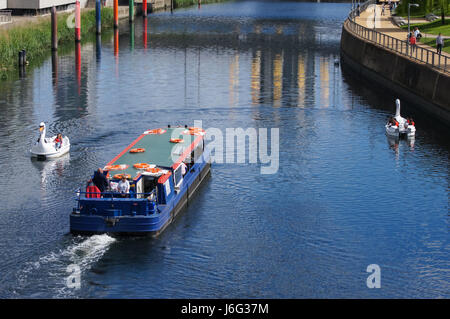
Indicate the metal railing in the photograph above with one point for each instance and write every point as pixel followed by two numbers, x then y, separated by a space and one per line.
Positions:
pixel 5 16
pixel 111 195
pixel 418 53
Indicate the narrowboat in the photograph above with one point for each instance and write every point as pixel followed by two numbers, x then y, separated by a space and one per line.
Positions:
pixel 163 167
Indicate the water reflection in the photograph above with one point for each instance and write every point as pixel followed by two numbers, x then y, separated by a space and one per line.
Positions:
pixel 50 170
pixel 131 36
pixel 301 79
pixel 234 80
pixel 144 32
pixel 325 81
pixel 256 77
pixel 78 64
pixel 277 79
pixel 98 48
pixel 55 70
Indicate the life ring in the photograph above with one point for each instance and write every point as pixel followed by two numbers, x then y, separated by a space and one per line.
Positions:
pixel 120 167
pixel 176 140
pixel 156 131
pixel 141 165
pixel 195 131
pixel 119 176
pixel 137 150
pixel 153 170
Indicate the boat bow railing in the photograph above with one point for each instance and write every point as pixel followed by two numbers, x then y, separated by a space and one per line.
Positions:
pixel 112 195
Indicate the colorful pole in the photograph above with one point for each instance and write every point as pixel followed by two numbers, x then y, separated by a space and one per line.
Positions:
pixel 116 13
pixel 131 10
pixel 144 8
pixel 98 15
pixel 77 22
pixel 54 29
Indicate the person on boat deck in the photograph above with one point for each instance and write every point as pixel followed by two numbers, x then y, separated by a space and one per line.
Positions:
pixel 410 121
pixel 58 141
pixel 123 187
pixel 100 180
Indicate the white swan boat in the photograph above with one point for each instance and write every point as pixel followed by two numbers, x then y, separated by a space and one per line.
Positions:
pixel 403 128
pixel 45 147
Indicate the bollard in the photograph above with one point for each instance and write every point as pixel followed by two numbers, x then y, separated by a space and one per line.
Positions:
pixel 116 13
pixel 144 8
pixel 131 10
pixel 54 30
pixel 77 22
pixel 98 16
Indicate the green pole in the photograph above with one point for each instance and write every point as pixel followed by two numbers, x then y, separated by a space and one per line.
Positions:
pixel 131 9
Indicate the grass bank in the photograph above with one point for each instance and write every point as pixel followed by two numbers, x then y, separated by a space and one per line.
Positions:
pixel 434 27
pixel 35 37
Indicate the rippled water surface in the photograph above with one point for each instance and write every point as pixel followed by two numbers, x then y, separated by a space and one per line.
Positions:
pixel 344 196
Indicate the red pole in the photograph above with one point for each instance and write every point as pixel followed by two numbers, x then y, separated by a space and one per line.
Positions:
pixel 116 13
pixel 144 8
pixel 77 22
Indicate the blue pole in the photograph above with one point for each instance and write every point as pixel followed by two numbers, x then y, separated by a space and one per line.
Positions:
pixel 98 15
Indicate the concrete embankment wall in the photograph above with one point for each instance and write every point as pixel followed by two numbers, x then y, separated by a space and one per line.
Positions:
pixel 424 86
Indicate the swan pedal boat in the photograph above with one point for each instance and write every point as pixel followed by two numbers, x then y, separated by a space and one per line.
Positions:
pixel 403 128
pixel 45 147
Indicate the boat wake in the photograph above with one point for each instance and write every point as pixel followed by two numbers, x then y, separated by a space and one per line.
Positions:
pixel 47 277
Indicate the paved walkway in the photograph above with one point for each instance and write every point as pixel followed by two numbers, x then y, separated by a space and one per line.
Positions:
pixel 385 25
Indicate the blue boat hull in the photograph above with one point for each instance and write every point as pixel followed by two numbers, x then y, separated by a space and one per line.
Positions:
pixel 142 223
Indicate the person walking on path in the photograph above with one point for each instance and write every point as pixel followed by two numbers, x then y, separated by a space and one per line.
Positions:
pixel 439 43
pixel 412 41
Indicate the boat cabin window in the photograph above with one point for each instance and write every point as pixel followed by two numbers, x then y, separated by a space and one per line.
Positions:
pixel 150 184
pixel 177 176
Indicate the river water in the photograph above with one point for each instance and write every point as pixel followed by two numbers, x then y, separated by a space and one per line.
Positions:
pixel 344 196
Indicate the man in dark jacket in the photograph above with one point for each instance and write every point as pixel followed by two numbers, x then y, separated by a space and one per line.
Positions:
pixel 100 180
